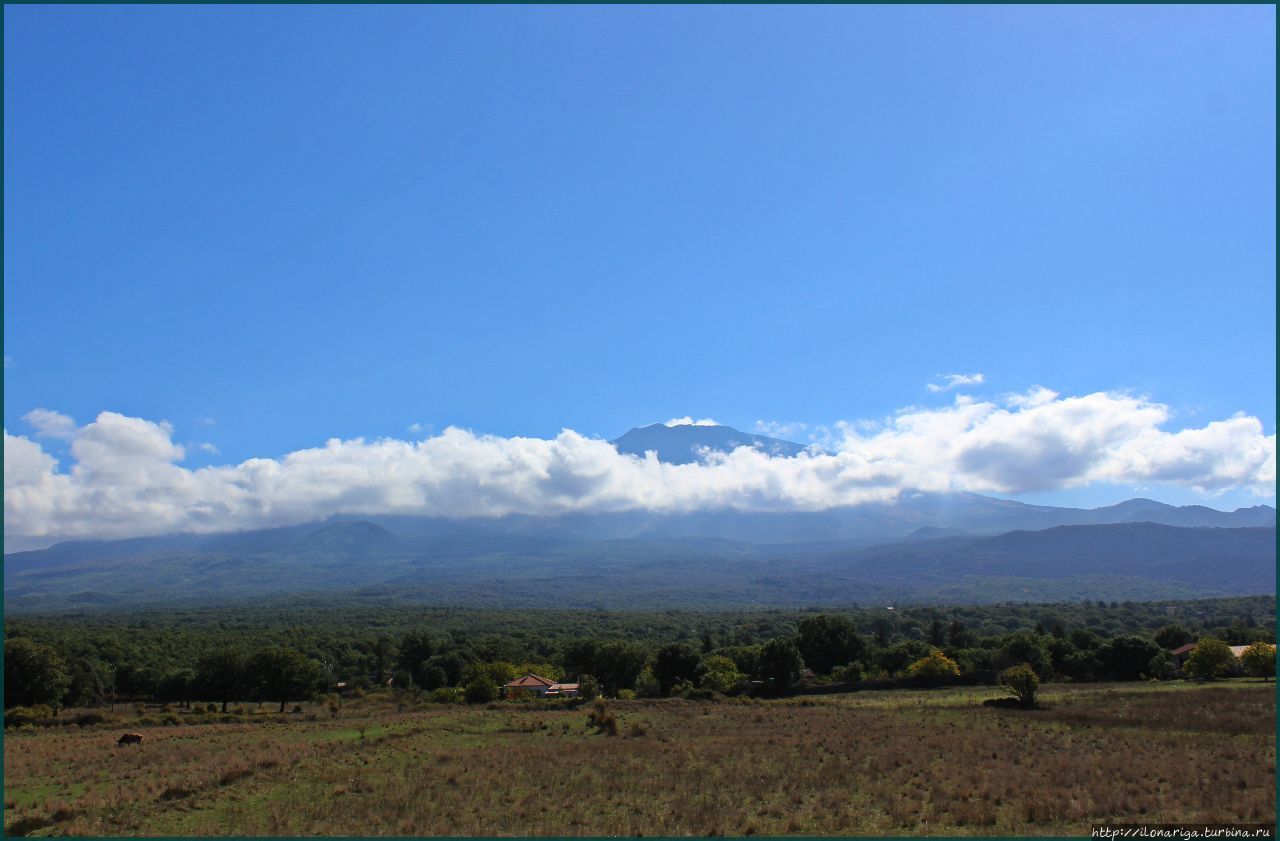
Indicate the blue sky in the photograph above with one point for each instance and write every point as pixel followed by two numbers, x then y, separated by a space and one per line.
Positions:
pixel 269 227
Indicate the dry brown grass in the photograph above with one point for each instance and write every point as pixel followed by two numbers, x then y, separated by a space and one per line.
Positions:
pixel 862 764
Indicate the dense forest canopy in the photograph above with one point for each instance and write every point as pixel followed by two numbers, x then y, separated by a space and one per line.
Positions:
pixel 160 652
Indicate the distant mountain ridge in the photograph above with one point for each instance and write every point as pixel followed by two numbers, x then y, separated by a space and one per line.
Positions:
pixel 961 546
pixel 1116 561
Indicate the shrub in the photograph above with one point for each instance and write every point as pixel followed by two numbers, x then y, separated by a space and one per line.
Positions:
pixel 36 714
pixel 1210 658
pixel 851 673
pixel 626 694
pixel 601 719
pixel 480 691
pixel 89 719
pixel 1162 667
pixel 1021 682
pixel 445 695
pixel 936 667
pixel 1259 660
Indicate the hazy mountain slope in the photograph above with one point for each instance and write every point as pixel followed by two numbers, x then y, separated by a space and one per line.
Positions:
pixel 1132 561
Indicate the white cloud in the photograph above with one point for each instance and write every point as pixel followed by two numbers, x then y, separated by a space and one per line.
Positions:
pixel 789 430
pixel 51 424
pixel 688 421
pixel 125 479
pixel 207 447
pixel 1037 396
pixel 418 428
pixel 955 381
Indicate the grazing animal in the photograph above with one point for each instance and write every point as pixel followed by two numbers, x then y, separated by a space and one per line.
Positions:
pixel 130 739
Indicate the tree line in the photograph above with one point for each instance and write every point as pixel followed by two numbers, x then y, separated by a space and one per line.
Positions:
pixel 824 648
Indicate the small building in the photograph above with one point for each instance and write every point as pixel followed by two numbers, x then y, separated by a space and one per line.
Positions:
pixel 562 690
pixel 540 686
pixel 530 683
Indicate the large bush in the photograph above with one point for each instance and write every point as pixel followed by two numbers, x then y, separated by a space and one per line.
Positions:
pixel 1259 660
pixel 1022 683
pixel 1211 658
pixel 936 667
pixel 719 674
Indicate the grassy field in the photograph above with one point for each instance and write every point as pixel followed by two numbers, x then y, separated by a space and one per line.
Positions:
pixel 874 763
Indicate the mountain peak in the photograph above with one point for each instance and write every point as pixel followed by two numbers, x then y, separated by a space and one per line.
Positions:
pixel 682 444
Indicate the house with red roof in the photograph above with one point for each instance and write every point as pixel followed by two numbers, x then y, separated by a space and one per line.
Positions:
pixel 540 686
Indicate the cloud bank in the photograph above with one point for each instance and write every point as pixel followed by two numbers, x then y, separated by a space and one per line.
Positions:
pixel 126 480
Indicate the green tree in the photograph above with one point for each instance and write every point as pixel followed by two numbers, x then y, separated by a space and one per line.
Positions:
pixel 958 636
pixel 828 641
pixel 414 650
pixel 780 663
pixel 1021 682
pixel 383 651
pixel 936 667
pixel 497 674
pixel 33 674
pixel 618 664
pixel 452 663
pixel 674 664
pixel 282 674
pixel 1127 657
pixel 588 687
pixel 177 686
pixel 578 656
pixel 1162 667
pixel 1173 636
pixel 433 677
pixel 1211 658
pixel 90 681
pixel 717 673
pixel 223 675
pixel 1259 660
pixel 745 657
pixel 896 658
pixel 1031 649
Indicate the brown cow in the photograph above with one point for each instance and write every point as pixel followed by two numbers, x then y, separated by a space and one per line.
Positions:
pixel 130 739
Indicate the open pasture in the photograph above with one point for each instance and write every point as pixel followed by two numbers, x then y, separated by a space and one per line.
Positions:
pixel 874 763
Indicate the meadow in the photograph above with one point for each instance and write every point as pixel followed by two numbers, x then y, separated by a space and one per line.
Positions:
pixel 871 763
